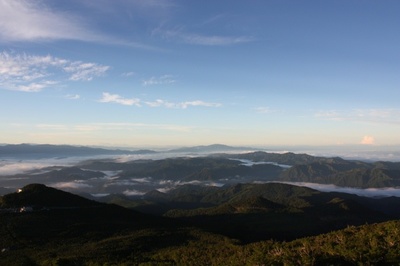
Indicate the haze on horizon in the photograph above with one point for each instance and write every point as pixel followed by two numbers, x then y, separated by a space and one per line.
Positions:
pixel 174 72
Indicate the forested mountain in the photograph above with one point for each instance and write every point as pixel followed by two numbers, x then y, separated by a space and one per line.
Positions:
pixel 346 174
pixel 243 226
pixel 262 166
pixel 106 176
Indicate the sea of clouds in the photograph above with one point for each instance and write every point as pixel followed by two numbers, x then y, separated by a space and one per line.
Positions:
pixel 111 182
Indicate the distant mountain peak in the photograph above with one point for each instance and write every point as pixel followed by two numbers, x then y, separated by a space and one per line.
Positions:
pixel 211 148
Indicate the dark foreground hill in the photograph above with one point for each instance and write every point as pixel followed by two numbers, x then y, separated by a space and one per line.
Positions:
pixel 40 222
pixel 65 229
pixel 254 212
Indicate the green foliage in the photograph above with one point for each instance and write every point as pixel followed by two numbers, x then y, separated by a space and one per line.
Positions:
pixel 112 235
pixel 345 173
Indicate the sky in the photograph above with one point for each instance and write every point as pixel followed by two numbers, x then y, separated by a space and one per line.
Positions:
pixel 187 72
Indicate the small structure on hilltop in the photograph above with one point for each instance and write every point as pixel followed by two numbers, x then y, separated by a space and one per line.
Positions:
pixel 26 209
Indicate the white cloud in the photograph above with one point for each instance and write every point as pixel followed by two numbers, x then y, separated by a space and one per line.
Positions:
pixel 162 103
pixel 12 168
pixel 133 192
pixel 214 40
pixel 130 126
pixel 376 116
pixel 72 96
pixel 84 71
pixel 52 126
pixel 35 87
pixel 115 98
pixel 368 140
pixel 198 39
pixel 102 127
pixel 35 21
pixel 128 74
pixel 22 20
pixel 77 184
pixel 166 79
pixel 182 105
pixel 263 110
pixel 86 128
pixel 369 192
pixel 32 73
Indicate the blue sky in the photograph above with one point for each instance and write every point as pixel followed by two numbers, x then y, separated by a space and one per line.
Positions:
pixel 165 72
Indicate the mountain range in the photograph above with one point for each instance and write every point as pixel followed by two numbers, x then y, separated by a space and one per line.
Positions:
pixel 139 176
pixel 41 151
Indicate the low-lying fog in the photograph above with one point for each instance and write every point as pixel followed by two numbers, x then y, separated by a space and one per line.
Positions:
pixel 111 182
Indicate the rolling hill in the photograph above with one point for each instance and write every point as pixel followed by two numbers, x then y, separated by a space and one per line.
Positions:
pixel 237 228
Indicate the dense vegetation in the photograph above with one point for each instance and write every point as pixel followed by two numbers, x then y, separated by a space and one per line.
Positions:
pixel 234 223
pixel 65 229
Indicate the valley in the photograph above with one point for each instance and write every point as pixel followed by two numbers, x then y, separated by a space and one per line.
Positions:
pixel 207 209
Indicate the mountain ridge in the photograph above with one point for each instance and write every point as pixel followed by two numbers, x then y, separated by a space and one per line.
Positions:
pixel 247 228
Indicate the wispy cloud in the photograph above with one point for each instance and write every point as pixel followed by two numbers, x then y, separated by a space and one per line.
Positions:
pixel 84 71
pixel 369 192
pixel 329 115
pixel 159 102
pixel 181 105
pixel 201 39
pixel 165 79
pixel 125 126
pixel 76 184
pixel 118 99
pixel 33 73
pixel 374 115
pixel 72 96
pixel 22 20
pixel 36 21
pixel 214 40
pixel 111 127
pixel 35 87
pixel 128 74
pixel 184 105
pixel 263 110
pixel 115 98
pixel 52 126
pixel 133 192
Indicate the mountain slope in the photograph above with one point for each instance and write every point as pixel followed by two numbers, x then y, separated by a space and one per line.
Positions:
pixel 76 231
pixel 41 196
pixel 346 174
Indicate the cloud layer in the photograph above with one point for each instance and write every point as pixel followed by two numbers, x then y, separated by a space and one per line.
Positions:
pixel 115 98
pixel 368 140
pixel 165 79
pixel 373 115
pixel 22 20
pixel 32 73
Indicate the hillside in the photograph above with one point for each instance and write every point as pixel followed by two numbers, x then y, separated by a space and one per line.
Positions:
pixel 375 244
pixel 65 229
pixel 268 210
pixel 346 174
pixel 106 176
